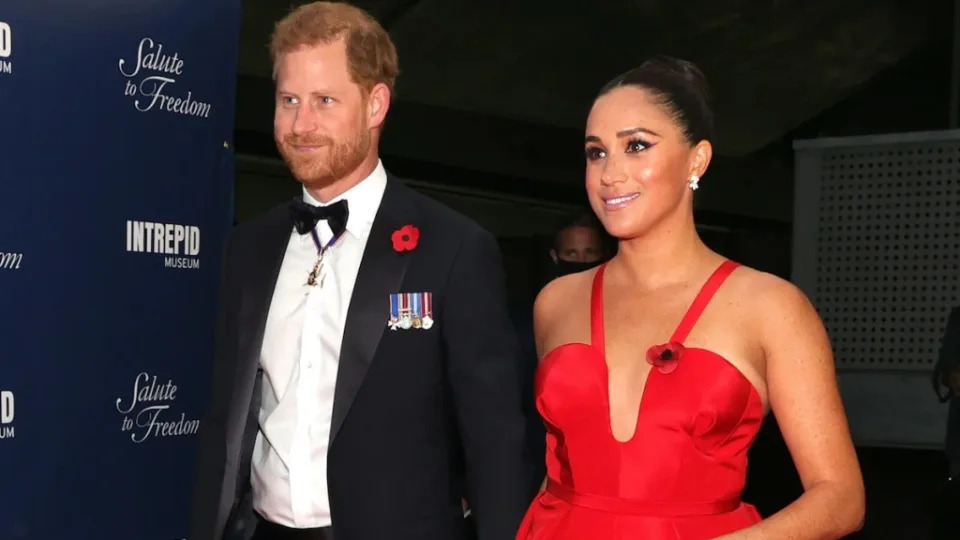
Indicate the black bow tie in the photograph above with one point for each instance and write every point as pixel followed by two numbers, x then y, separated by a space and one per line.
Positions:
pixel 306 216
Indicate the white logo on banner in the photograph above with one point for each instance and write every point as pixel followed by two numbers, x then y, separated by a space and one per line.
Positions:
pixel 148 416
pixel 6 48
pixel 180 242
pixel 151 81
pixel 10 261
pixel 6 415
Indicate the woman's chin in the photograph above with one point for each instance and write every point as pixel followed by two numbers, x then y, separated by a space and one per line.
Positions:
pixel 621 229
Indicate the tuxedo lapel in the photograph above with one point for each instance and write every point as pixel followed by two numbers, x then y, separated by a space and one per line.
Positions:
pixel 381 273
pixel 263 267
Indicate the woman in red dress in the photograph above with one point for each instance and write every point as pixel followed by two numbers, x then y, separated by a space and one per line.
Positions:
pixel 658 367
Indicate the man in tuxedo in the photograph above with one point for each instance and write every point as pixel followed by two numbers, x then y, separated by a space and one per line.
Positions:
pixel 366 376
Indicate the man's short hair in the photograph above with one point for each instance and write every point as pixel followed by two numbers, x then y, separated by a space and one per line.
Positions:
pixel 585 219
pixel 371 55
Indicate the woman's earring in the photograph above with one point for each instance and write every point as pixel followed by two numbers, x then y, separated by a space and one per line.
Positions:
pixel 694 182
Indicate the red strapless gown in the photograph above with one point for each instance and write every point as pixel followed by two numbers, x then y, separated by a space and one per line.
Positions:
pixel 680 476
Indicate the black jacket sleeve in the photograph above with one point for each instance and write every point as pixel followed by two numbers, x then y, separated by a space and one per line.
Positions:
pixel 485 372
pixel 209 507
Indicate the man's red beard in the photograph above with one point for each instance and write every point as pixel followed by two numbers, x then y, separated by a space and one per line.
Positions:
pixel 324 167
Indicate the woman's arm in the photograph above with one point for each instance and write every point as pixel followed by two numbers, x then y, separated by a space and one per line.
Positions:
pixel 546 307
pixel 802 389
pixel 541 317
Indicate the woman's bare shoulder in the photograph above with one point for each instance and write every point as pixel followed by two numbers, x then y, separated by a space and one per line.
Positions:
pixel 559 298
pixel 758 286
pixel 562 290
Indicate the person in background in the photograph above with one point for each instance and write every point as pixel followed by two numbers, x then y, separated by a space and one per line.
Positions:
pixel 578 246
pixel 946 380
pixel 946 383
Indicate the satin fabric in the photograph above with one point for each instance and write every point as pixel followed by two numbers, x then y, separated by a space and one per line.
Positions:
pixel 681 474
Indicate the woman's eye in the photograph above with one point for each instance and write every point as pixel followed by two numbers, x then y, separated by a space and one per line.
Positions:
pixel 593 153
pixel 637 145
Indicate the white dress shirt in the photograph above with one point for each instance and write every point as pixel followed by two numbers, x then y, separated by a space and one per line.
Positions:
pixel 299 358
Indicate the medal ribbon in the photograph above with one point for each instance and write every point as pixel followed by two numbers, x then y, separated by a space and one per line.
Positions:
pixel 321 249
pixel 417 300
pixel 394 306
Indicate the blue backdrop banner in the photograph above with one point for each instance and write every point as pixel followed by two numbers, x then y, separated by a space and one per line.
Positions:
pixel 116 192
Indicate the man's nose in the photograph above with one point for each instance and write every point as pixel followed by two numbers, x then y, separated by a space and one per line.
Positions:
pixel 305 120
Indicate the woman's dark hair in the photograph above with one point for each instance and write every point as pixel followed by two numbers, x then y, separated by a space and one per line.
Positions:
pixel 677 85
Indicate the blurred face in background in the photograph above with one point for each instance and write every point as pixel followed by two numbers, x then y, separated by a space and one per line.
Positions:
pixel 576 249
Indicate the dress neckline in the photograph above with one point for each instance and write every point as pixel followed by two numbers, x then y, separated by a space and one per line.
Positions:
pixel 689 320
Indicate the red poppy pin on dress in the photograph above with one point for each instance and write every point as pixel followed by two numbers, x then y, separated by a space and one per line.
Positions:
pixel 665 357
pixel 405 238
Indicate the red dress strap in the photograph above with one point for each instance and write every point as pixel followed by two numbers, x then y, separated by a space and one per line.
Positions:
pixel 703 298
pixel 596 311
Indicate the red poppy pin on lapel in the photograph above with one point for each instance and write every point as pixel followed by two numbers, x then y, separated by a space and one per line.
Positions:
pixel 405 238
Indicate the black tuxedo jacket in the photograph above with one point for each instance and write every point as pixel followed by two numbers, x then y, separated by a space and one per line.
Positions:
pixel 420 417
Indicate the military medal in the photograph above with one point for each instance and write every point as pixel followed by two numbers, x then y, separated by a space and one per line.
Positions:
pixel 312 278
pixel 411 310
pixel 321 251
pixel 427 320
pixel 394 319
pixel 405 322
pixel 416 302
